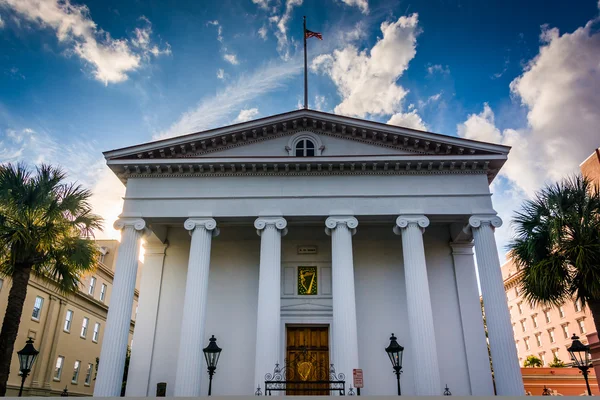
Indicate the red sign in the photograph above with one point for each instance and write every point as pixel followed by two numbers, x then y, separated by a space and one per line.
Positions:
pixel 357 374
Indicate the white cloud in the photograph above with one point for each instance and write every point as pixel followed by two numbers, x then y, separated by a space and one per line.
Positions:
pixel 111 59
pixel 408 120
pixel 560 89
pixel 437 68
pixel 247 115
pixel 431 99
pixel 363 5
pixel 281 23
pixel 231 58
pixel 262 32
pixel 320 102
pixel 221 74
pixel 218 109
pixel 366 80
pixel 79 158
pixel 219 29
pixel 264 4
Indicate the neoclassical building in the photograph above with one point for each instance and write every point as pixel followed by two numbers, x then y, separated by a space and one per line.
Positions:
pixel 309 233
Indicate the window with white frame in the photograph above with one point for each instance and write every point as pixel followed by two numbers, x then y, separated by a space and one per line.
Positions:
pixel 76 371
pixel 58 368
pixel 516 291
pixel 538 338
pixel 543 358
pixel 551 335
pixel 561 311
pixel 523 328
pixel 520 307
pixel 554 353
pixel 1 283
pixel 547 315
pixel 578 306
pixel 581 324
pixel 534 320
pixel 37 308
pixel 102 292
pixel 68 321
pixel 96 332
pixel 92 286
pixel 88 374
pixel 526 340
pixel 84 327
pixel 565 329
pixel 102 257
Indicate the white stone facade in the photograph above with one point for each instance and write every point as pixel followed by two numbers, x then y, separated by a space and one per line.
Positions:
pixel 361 183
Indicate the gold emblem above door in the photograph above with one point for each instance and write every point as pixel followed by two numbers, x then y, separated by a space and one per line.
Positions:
pixel 307 281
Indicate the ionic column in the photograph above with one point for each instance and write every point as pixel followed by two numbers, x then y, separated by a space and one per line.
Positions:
pixel 190 364
pixel 418 301
pixel 345 336
pixel 507 372
pixel 270 230
pixel 118 320
pixel 478 362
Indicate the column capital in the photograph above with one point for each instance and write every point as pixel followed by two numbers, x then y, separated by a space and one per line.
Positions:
pixel 462 247
pixel 332 222
pixel 206 223
pixel 138 224
pixel 475 221
pixel 278 222
pixel 404 221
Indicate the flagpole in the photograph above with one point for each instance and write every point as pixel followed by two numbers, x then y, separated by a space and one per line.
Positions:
pixel 305 69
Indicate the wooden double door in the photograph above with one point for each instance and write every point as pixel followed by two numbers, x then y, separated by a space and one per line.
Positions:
pixel 307 353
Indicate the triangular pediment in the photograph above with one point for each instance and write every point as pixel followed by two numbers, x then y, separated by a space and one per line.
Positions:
pixel 266 142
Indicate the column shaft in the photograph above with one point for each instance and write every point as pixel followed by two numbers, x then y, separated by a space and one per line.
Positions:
pixel 478 362
pixel 118 320
pixel 145 324
pixel 507 372
pixel 345 335
pixel 269 297
pixel 418 301
pixel 190 364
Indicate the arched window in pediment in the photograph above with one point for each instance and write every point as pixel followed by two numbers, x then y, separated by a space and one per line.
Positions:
pixel 304 144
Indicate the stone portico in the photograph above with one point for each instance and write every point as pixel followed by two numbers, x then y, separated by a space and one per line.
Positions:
pixel 382 219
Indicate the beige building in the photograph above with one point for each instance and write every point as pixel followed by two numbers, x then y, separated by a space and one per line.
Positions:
pixel 544 332
pixel 67 330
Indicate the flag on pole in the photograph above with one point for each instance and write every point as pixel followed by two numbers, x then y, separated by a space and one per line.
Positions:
pixel 308 34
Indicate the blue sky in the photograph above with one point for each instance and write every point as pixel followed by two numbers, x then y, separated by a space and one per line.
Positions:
pixel 87 76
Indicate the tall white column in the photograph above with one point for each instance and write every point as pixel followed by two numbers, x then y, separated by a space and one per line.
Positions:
pixel 505 362
pixel 418 301
pixel 118 321
pixel 270 230
pixel 345 336
pixel 190 364
pixel 478 362
pixel 145 322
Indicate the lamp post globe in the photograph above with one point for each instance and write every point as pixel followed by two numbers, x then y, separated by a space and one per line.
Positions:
pixel 394 352
pixel 580 355
pixel 27 356
pixel 211 354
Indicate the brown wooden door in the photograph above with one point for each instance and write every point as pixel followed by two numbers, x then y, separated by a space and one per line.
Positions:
pixel 308 354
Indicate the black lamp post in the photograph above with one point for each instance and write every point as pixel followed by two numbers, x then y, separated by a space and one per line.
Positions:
pixel 211 353
pixel 580 354
pixel 394 351
pixel 27 356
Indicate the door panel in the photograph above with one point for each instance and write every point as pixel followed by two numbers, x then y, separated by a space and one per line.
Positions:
pixel 311 367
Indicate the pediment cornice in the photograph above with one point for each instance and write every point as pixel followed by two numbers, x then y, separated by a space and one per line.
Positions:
pixel 197 154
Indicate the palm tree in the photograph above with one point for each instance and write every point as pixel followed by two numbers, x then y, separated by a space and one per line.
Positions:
pixel 532 361
pixel 557 245
pixel 45 225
